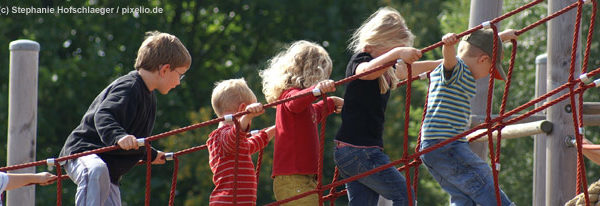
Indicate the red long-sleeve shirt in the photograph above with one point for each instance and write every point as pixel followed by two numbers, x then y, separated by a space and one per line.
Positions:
pixel 221 147
pixel 296 148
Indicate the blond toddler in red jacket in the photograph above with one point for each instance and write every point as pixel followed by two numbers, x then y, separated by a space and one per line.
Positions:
pixel 303 67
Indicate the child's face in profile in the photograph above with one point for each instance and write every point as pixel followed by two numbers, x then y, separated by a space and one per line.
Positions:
pixel 171 78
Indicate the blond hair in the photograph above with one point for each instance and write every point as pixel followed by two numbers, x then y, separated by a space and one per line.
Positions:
pixel 228 95
pixel 161 48
pixel 383 29
pixel 301 65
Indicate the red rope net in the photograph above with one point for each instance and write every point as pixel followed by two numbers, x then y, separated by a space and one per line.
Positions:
pixel 412 160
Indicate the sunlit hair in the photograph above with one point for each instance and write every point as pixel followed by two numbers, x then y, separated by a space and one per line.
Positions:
pixel 384 29
pixel 228 95
pixel 301 65
pixel 159 49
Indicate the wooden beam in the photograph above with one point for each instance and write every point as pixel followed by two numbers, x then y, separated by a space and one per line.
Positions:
pixel 591 108
pixel 478 119
pixel 516 130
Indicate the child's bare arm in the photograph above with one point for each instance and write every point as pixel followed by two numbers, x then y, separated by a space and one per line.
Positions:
pixel 407 54
pixel 448 50
pixel 508 34
pixel 16 180
pixel 255 109
pixel 418 67
pixel 271 132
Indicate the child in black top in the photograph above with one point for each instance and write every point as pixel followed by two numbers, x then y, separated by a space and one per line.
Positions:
pixel 121 113
pixel 383 38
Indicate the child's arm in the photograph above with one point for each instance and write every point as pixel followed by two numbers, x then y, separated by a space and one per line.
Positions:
pixel 448 51
pixel 335 105
pixel 407 54
pixel 255 109
pixel 16 180
pixel 260 140
pixel 300 104
pixel 418 67
pixel 507 34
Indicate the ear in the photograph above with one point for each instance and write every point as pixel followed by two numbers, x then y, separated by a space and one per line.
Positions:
pixel 242 107
pixel 483 59
pixel 163 69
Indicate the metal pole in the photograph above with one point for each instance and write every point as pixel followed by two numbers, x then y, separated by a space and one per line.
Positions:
pixel 539 141
pixel 22 114
pixel 561 160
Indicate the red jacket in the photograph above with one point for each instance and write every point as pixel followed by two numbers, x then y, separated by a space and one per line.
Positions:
pixel 297 139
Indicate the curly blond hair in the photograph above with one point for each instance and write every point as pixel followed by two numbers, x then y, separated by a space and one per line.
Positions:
pixel 301 65
pixel 384 29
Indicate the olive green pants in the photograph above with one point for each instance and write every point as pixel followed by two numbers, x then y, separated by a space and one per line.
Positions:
pixel 286 186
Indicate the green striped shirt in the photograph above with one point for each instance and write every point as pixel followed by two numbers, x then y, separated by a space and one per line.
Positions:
pixel 448 105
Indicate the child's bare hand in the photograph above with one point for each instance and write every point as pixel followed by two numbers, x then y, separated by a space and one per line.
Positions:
pixel 45 178
pixel 160 158
pixel 508 34
pixel 128 142
pixel 255 109
pixel 409 54
pixel 339 104
pixel 326 86
pixel 450 39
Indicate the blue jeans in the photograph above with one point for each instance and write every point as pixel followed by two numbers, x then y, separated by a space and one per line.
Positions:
pixel 462 174
pixel 389 183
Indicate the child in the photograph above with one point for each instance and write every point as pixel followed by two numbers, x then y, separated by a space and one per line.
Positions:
pixel 229 97
pixel 302 67
pixel 383 37
pixel 457 169
pixel 121 113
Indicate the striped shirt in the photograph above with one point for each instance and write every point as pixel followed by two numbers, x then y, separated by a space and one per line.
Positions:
pixel 448 105
pixel 221 147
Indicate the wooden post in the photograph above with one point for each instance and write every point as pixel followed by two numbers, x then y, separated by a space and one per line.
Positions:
pixel 539 141
pixel 22 114
pixel 561 160
pixel 482 10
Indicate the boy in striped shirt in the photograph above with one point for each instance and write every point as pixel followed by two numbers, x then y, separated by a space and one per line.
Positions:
pixel 230 97
pixel 458 170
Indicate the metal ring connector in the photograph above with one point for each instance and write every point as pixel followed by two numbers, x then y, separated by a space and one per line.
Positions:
pixel 228 117
pixel 316 92
pixel 169 156
pixel 486 24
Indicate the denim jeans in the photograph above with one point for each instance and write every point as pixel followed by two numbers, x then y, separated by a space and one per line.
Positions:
pixel 90 173
pixel 389 183
pixel 462 174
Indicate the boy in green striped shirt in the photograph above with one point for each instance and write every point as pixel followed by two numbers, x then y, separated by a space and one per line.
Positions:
pixel 458 170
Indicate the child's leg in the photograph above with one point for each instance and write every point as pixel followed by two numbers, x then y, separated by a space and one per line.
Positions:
pixel 462 174
pixel 286 186
pixel 487 194
pixel 389 183
pixel 90 174
pixel 437 165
